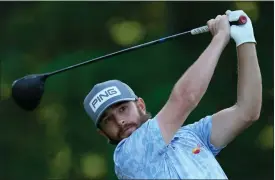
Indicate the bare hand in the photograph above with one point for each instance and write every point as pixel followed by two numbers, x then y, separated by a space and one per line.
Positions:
pixel 220 26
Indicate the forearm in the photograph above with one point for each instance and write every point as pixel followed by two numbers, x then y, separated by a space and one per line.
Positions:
pixel 249 81
pixel 194 82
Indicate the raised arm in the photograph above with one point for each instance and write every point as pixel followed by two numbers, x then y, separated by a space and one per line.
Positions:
pixel 193 84
pixel 230 122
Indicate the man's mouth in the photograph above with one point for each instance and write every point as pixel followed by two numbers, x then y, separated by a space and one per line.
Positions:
pixel 128 130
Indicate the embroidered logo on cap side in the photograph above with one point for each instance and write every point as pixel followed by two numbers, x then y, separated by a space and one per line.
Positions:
pixel 103 96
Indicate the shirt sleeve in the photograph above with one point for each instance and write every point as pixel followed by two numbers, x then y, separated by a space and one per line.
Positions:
pixel 203 130
pixel 132 153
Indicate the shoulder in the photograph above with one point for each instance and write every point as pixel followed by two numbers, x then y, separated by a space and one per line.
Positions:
pixel 200 131
pixel 196 129
pixel 203 123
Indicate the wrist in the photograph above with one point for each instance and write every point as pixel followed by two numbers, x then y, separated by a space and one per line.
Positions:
pixel 246 46
pixel 245 40
pixel 221 38
pixel 243 36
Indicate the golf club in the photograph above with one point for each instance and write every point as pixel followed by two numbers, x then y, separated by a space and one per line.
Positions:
pixel 28 91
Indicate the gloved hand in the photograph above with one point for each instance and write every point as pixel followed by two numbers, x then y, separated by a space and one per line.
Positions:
pixel 240 33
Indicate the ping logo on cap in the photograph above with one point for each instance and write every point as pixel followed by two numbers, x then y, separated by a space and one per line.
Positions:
pixel 103 96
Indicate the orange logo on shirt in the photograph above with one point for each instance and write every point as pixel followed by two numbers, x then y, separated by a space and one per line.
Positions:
pixel 196 150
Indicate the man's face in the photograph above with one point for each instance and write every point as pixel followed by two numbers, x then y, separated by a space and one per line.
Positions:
pixel 122 119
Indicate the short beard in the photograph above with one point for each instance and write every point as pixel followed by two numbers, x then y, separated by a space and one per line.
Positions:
pixel 143 119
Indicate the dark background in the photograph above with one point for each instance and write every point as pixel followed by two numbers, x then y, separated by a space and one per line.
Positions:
pixel 58 140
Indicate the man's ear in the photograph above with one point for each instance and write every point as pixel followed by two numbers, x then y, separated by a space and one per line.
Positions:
pixel 141 105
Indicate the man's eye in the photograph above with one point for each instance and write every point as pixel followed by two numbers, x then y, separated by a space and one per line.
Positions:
pixel 122 108
pixel 106 120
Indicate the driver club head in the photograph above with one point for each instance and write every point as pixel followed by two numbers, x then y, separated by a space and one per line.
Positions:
pixel 28 91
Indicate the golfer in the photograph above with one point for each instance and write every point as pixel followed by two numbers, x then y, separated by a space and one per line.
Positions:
pixel 160 147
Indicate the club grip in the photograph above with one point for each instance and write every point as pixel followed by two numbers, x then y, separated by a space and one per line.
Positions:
pixel 203 29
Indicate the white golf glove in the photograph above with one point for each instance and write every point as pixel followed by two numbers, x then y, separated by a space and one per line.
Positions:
pixel 242 33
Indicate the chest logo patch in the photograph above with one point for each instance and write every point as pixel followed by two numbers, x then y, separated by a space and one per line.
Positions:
pixel 197 149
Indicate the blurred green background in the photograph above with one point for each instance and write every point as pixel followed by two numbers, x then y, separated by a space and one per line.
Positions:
pixel 58 140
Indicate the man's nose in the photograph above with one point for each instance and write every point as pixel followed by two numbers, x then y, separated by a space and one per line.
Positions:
pixel 120 121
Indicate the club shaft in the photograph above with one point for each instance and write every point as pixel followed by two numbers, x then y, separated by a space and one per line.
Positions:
pixel 118 52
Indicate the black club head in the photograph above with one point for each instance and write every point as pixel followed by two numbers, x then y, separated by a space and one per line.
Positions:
pixel 28 91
